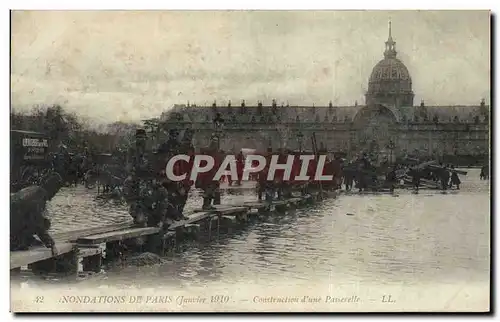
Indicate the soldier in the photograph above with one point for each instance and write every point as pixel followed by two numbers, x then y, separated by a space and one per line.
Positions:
pixel 445 178
pixel 28 207
pixel 455 180
pixel 137 159
pixel 175 190
pixel 172 146
pixel 62 162
pixel 131 190
pixel 137 182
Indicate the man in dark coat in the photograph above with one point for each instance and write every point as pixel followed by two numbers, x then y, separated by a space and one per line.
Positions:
pixel 138 182
pixel 177 191
pixel 27 209
pixel 455 180
pixel 172 145
pixel 445 178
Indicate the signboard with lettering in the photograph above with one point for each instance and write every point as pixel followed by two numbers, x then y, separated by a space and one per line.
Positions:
pixel 29 146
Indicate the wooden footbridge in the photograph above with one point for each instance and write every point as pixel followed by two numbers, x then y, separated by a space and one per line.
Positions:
pixel 93 247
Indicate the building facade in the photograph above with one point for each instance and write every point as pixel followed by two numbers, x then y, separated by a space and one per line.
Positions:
pixel 388 124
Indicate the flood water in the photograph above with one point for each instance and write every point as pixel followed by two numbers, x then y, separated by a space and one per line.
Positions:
pixel 406 239
pixel 429 237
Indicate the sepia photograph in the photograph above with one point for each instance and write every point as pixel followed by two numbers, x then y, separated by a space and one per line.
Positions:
pixel 250 161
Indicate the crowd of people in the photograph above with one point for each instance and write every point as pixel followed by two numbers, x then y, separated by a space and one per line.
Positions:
pixel 154 200
pixel 364 175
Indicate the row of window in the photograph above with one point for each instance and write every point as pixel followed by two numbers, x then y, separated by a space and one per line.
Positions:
pixel 404 119
pixel 435 119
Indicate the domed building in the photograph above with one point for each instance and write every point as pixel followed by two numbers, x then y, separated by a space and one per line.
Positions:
pixel 389 124
pixel 390 81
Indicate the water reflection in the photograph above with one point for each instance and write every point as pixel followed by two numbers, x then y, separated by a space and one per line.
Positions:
pixel 426 237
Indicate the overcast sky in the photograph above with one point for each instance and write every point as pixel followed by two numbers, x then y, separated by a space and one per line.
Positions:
pixel 130 65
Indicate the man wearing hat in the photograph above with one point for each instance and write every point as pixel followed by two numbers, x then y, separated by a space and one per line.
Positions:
pixel 167 150
pixel 138 181
pixel 137 156
pixel 172 145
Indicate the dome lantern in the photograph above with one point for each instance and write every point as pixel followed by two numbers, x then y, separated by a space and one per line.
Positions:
pixel 390 45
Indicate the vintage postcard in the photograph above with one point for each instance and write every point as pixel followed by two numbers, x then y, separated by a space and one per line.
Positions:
pixel 250 161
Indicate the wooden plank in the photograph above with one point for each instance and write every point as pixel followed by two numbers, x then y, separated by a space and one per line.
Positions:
pixel 118 235
pixel 230 218
pixel 255 204
pixel 37 254
pixel 230 210
pixel 197 216
pixel 89 251
pixel 225 209
pixel 75 234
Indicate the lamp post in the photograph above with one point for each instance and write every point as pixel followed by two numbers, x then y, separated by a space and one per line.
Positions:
pixel 218 128
pixel 300 137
